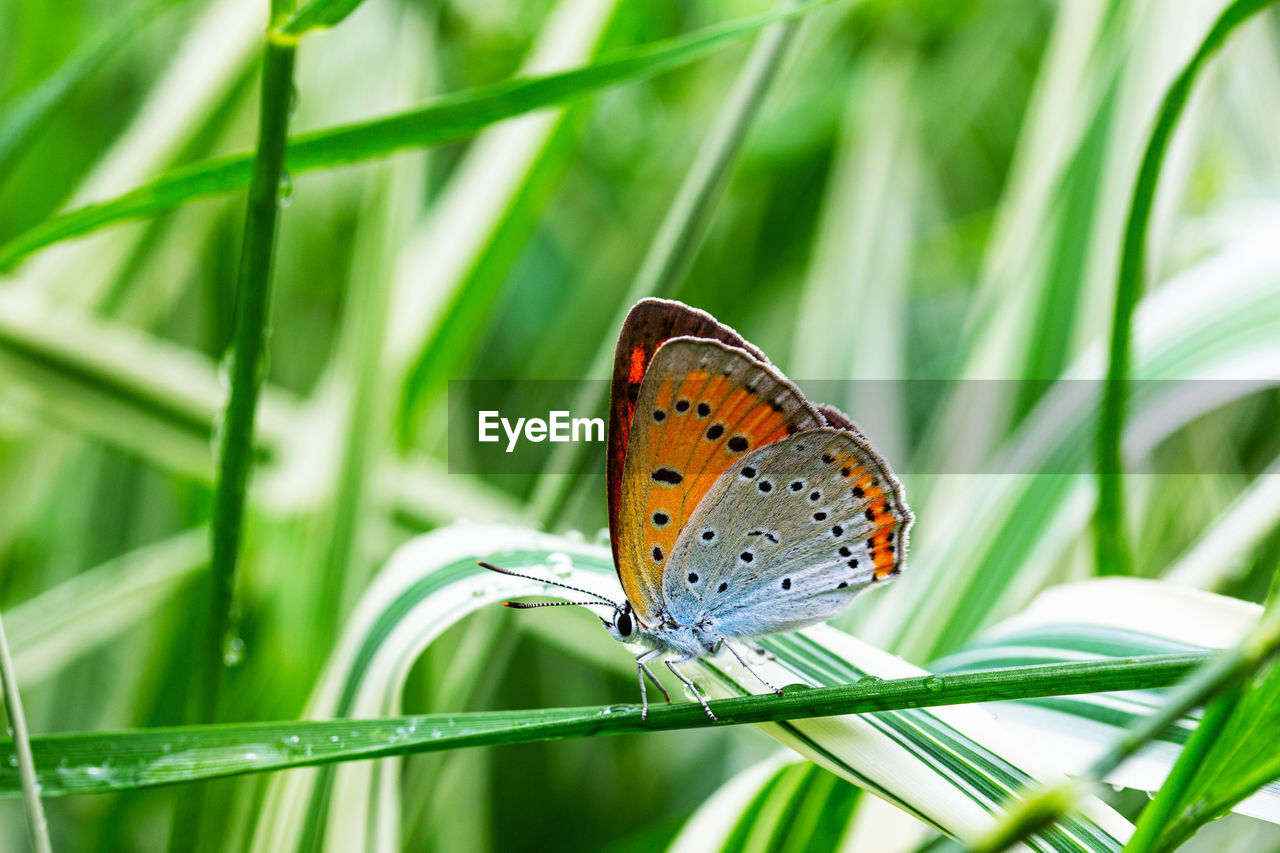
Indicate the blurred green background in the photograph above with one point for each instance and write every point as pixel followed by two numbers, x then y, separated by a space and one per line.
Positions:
pixel 921 190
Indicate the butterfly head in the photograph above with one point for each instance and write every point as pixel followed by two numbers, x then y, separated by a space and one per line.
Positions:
pixel 623 628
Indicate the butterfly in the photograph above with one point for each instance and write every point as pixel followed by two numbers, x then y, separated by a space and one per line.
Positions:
pixel 737 508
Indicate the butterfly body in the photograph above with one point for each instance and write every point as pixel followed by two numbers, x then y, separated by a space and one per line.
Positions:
pixel 737 508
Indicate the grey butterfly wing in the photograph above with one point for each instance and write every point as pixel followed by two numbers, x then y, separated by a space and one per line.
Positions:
pixel 788 535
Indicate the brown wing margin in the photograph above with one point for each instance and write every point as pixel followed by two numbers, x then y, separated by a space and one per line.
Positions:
pixel 649 323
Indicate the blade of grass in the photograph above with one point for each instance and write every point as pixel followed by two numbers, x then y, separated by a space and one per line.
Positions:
pixel 456 264
pixel 677 240
pixel 1215 676
pixel 446 120
pixel 24 116
pixel 81 615
pixel 1231 752
pixel 316 15
pixel 1112 550
pixel 253 291
pixel 21 747
pixel 98 762
pixel 1156 817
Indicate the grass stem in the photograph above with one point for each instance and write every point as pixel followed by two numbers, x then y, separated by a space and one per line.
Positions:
pixel 36 823
pixel 249 337
pixel 218 750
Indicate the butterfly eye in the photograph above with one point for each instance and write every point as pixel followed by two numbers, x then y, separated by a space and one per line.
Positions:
pixel 623 623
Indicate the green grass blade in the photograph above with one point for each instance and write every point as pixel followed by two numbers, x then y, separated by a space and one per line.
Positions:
pixel 22 117
pixel 448 119
pixel 316 15
pixel 1113 555
pixel 1171 798
pixel 99 762
pixel 1220 311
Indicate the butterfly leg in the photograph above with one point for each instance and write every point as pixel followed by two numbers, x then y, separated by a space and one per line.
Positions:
pixel 641 672
pixel 747 666
pixel 671 665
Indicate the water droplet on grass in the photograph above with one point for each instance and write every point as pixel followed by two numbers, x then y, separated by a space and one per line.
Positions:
pixel 233 653
pixel 284 195
pixel 560 564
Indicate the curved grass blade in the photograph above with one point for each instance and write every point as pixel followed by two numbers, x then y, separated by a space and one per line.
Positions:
pixel 789 805
pixel 947 766
pixel 446 120
pixel 1112 552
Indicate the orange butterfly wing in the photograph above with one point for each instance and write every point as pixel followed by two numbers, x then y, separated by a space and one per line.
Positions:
pixel 649 323
pixel 700 405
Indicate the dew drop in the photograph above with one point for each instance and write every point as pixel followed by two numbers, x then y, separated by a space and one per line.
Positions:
pixel 935 683
pixel 560 563
pixel 284 193
pixel 233 652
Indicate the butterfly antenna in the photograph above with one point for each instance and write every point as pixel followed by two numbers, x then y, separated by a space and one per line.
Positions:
pixel 522 605
pixel 503 571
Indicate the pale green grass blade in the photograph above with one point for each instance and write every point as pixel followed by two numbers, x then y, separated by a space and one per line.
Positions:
pixel 454 263
pixel 672 249
pixel 316 15
pixel 1218 320
pixel 852 312
pixel 1112 551
pixel 756 810
pixel 212 53
pixel 1098 619
pixel 160 401
pixel 37 825
pixel 1221 553
pixel 432 582
pixel 79 616
pixel 448 119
